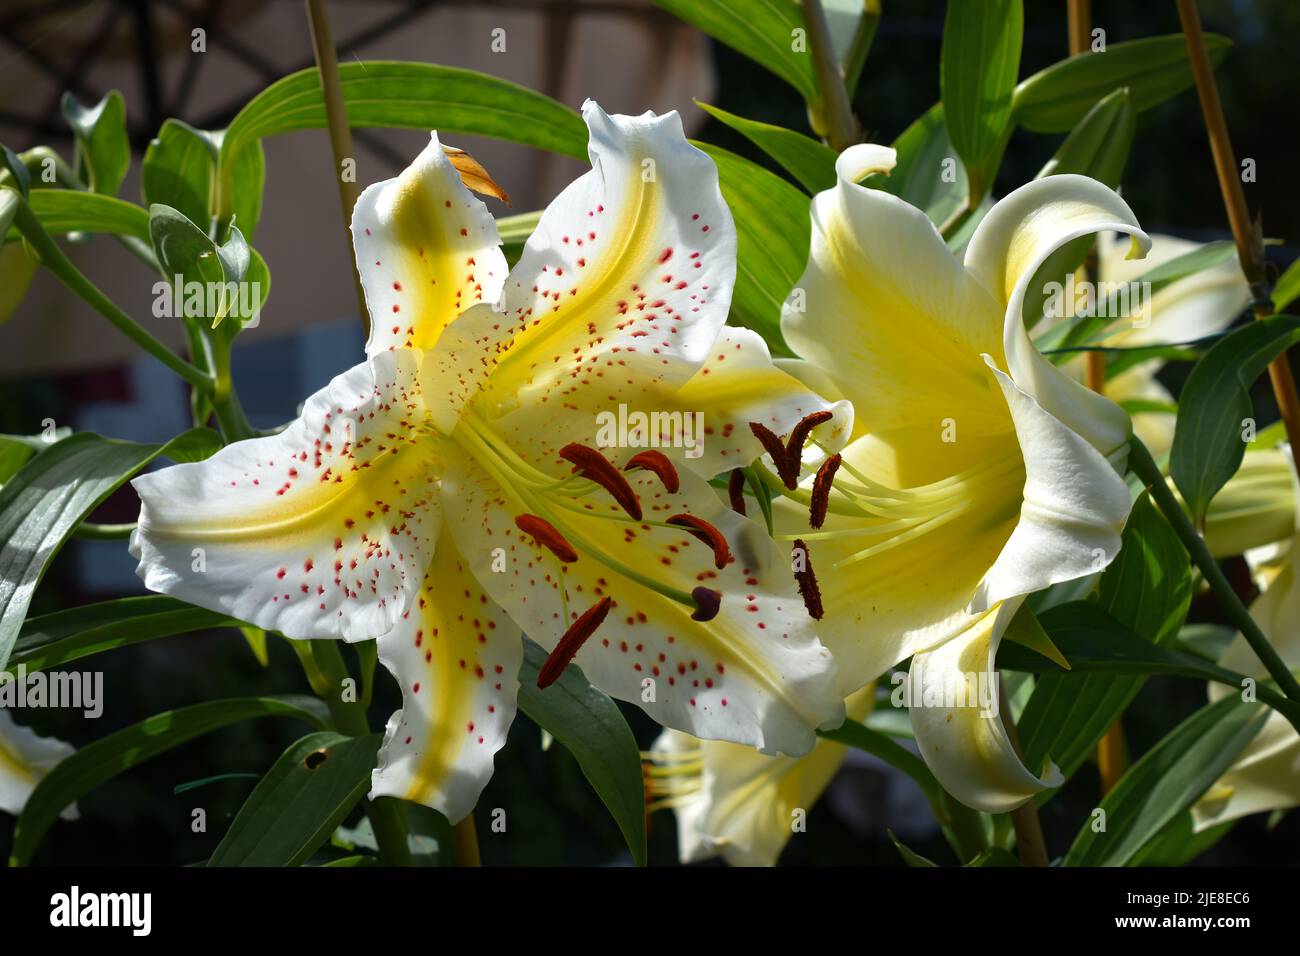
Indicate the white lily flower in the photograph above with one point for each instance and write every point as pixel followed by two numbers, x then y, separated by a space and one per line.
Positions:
pixel 25 758
pixel 1187 309
pixel 1266 774
pixel 977 474
pixel 734 802
pixel 446 494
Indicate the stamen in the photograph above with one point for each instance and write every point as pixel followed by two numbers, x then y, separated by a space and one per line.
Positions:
pixel 708 534
pixel 736 490
pixel 807 580
pixel 595 466
pixel 772 445
pixel 572 642
pixel 821 491
pixel 799 435
pixel 657 462
pixel 545 533
pixel 707 603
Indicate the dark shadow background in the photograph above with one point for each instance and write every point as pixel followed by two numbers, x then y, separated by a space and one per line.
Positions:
pixel 553 815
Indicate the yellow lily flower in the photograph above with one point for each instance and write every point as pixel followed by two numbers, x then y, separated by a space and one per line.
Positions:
pixel 449 493
pixel 25 758
pixel 1266 774
pixel 735 802
pixel 977 472
pixel 1186 309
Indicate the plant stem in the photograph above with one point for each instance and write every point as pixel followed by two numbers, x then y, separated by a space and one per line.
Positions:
pixel 868 23
pixel 841 126
pixel 464 843
pixel 1024 818
pixel 1249 239
pixel 1148 471
pixel 336 115
pixel 386 816
pixel 52 258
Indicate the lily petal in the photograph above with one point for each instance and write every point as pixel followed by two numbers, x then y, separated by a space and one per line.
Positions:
pixel 1073 512
pixel 427 250
pixel 884 307
pixel 629 273
pixel 456 655
pixel 26 757
pixel 324 530
pixel 966 744
pixel 1010 244
pixel 754 674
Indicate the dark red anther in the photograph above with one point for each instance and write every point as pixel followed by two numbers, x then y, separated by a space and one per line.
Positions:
pixel 572 642
pixel 545 534
pixel 799 434
pixel 706 533
pixel 772 445
pixel 657 462
pixel 707 603
pixel 592 464
pixel 736 490
pixel 801 561
pixel 821 490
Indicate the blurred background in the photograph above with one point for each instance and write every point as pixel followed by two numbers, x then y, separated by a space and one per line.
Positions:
pixel 59 361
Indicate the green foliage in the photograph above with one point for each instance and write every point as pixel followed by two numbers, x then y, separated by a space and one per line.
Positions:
pixel 809 161
pixel 103 148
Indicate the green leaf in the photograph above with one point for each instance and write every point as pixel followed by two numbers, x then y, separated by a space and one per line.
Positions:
pixel 910 856
pixel 409 96
pixel 1154 69
pixel 773 231
pixel 52 640
pixel 810 162
pixel 592 728
pixel 1208 446
pixel 763 30
pixel 180 170
pixel 103 149
pixel 979 63
pixel 1147 589
pixel 302 799
pixel 104 759
pixel 1167 780
pixel 919 176
pixel 13 453
pixel 20 176
pixel 1027 631
pixel 1287 289
pixel 995 856
pixel 68 210
pixel 1178 844
pixel 49 496
pixel 854 734
pixel 185 250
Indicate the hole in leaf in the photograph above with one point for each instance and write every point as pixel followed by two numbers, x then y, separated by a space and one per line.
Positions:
pixel 316 759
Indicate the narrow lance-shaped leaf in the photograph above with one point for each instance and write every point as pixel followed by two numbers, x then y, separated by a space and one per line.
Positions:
pixel 1154 69
pixel 104 759
pixel 1166 781
pixel 810 162
pixel 592 728
pixel 979 64
pixel 302 799
pixel 1214 408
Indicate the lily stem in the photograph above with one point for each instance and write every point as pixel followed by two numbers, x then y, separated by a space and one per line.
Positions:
pixel 1249 239
pixel 1029 829
pixel 386 814
pixel 336 116
pixel 464 843
pixel 836 114
pixel 52 257
pixel 1148 471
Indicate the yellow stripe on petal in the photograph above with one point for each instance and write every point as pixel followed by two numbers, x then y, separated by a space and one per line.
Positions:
pixel 456 655
pixel 322 530
pixel 427 250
